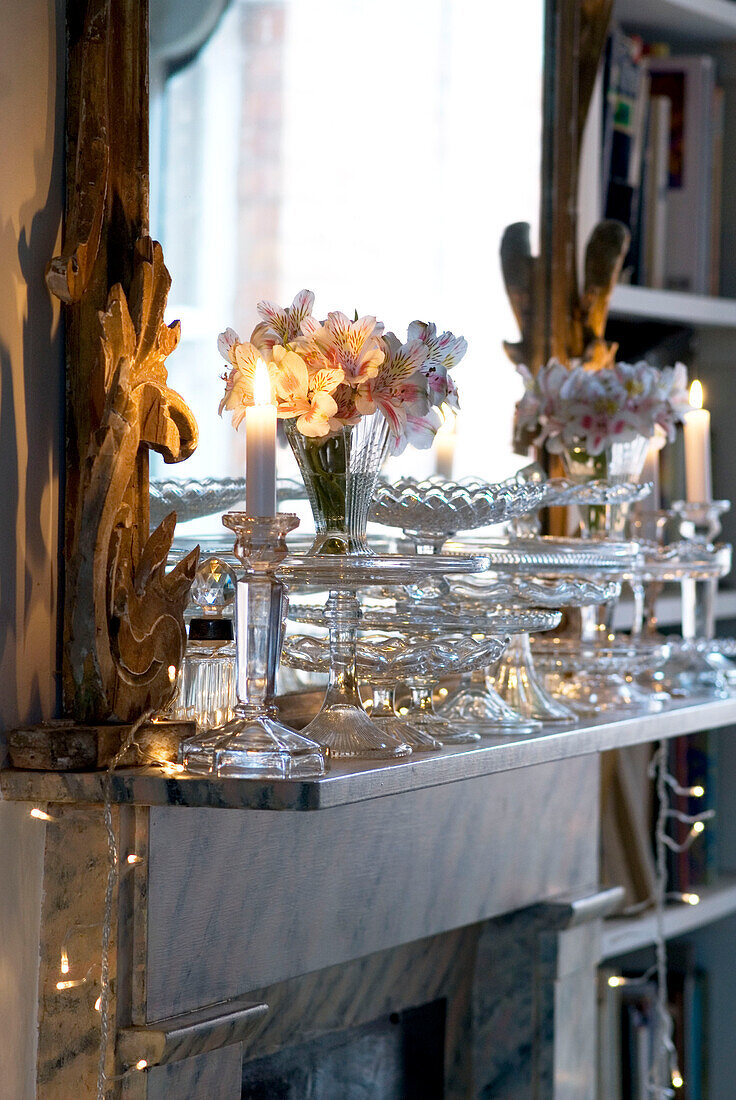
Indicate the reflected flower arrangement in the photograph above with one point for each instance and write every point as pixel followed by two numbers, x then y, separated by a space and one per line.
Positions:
pixel 593 408
pixel 326 375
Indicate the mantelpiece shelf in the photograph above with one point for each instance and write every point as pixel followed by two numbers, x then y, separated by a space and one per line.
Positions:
pixel 673 306
pixel 622 935
pixel 349 783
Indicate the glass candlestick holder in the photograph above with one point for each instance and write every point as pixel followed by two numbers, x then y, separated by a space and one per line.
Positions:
pixel 255 744
pixel 700 523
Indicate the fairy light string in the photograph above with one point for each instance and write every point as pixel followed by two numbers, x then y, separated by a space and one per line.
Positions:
pixel 112 874
pixel 665 1078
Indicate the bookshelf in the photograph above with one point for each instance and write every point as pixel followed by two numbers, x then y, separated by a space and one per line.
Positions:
pixel 701 329
pixel 698 310
pixel 693 20
pixel 622 935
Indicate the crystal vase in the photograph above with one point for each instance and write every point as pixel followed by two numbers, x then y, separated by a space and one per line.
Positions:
pixel 340 473
pixel 619 462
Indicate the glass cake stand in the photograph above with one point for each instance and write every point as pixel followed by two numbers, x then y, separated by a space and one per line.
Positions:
pixel 342 727
pixel 416 661
pixel 697 566
pixel 570 573
pixel 600 674
pixel 474 704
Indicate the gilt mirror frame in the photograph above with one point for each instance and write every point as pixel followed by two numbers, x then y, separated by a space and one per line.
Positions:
pixel 123 628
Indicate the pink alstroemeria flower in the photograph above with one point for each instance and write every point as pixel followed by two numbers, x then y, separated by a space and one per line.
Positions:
pixel 306 398
pixel 239 382
pixel 399 389
pixel 354 346
pixel 444 351
pixel 281 326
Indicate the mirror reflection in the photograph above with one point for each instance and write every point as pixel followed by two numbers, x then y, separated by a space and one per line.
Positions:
pixel 370 151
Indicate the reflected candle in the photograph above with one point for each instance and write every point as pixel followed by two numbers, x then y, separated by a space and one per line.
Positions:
pixel 698 477
pixel 260 447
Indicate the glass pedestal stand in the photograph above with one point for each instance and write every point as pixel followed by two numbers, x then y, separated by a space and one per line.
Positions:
pixel 254 744
pixel 417 662
pixel 342 727
pixel 690 669
pixel 383 713
pixel 517 683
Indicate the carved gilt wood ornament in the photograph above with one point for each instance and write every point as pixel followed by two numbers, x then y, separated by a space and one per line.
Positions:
pixel 555 318
pixel 124 633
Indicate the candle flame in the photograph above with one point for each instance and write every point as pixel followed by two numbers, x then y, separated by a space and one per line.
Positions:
pixel 696 395
pixel 261 384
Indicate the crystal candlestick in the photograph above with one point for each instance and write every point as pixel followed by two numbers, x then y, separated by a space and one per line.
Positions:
pixel 699 523
pixel 254 744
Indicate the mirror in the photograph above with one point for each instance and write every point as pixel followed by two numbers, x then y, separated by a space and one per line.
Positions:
pixel 370 150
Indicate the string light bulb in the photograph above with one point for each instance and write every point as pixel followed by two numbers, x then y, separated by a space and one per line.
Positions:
pixel 677 1081
pixel 141 1064
pixel 133 858
pixel 41 815
pixel 64 967
pixel 616 980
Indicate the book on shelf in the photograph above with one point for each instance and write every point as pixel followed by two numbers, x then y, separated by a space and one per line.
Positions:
pixel 689 83
pixel 661 163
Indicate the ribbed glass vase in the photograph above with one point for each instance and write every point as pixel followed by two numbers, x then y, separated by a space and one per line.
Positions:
pixel 620 462
pixel 340 473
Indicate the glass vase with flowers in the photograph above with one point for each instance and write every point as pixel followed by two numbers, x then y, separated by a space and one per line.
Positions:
pixel 349 394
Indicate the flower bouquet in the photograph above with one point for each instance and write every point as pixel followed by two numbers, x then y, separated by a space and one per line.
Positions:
pixel 600 419
pixel 349 394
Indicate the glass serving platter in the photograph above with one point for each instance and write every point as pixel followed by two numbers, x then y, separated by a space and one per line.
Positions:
pixel 543 555
pixel 193 498
pixel 562 492
pixel 601 675
pixel 553 592
pixel 431 619
pixel 683 560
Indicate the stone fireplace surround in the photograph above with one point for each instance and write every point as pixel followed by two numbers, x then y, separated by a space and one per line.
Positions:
pixel 468 879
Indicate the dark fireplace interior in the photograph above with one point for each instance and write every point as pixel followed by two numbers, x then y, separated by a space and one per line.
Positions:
pixel 397 1057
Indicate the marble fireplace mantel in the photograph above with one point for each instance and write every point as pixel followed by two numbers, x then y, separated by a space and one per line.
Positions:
pixel 470 876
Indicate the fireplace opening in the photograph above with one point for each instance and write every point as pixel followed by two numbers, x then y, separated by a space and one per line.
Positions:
pixel 397 1057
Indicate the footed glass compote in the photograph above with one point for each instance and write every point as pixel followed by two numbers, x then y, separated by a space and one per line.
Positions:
pixel 698 564
pixel 566 573
pixel 343 727
pixel 418 662
pixel 600 675
pixel 255 744
pixel 474 703
pixel 432 511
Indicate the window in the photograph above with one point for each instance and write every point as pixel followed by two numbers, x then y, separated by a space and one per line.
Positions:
pixel 371 150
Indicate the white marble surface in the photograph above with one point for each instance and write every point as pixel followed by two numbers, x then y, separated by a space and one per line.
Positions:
pixel 276 895
pixel 21 875
pixel 356 782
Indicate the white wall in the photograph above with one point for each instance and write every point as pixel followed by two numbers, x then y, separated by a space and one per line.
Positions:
pixel 31 434
pixel 31 363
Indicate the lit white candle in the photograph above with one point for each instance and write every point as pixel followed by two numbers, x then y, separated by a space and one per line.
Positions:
pixel 698 476
pixel 444 447
pixel 260 447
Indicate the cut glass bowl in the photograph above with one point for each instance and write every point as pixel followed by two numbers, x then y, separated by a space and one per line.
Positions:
pixel 431 511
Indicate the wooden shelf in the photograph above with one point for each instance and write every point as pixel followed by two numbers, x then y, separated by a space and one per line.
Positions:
pixel 643 303
pixel 701 20
pixel 623 935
